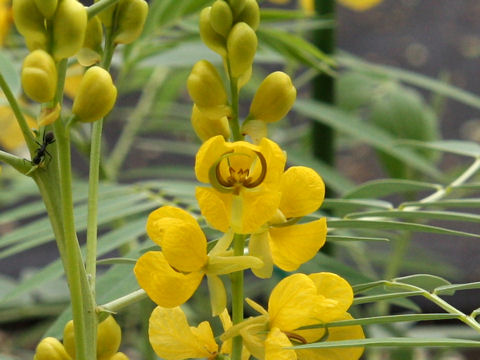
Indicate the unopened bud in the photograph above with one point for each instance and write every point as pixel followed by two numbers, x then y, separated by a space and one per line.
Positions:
pixel 131 16
pixel 47 7
pixel 119 356
pixel 209 36
pixel 91 51
pixel 205 86
pixel 221 17
pixel 109 336
pixel 96 95
pixel 241 48
pixel 250 14
pixel 39 76
pixel 51 349
pixel 30 23
pixel 106 15
pixel 237 6
pixel 206 127
pixel 69 338
pixel 274 98
pixel 69 26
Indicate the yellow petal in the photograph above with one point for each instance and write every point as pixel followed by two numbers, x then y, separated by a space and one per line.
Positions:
pixel 257 207
pixel 173 339
pixel 275 345
pixel 159 219
pixel 221 265
pixel 308 6
pixel 165 286
pixel 259 246
pixel 11 137
pixel 210 151
pixel 215 207
pixel 218 295
pixel 337 334
pixel 275 158
pixel 291 302
pixel 256 306
pixel 336 288
pixel 302 190
pixel 294 245
pixel 184 246
pixel 359 5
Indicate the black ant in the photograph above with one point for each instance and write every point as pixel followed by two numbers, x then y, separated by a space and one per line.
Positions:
pixel 40 153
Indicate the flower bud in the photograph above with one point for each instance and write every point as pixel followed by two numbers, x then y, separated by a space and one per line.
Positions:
pixel 91 51
pixel 221 17
pixel 241 48
pixel 50 349
pixel 30 23
pixel 237 6
pixel 69 338
pixel 47 7
pixel 96 95
pixel 106 15
pixel 206 87
pixel 39 76
pixel 250 14
pixel 206 127
pixel 119 356
pixel 69 26
pixel 131 16
pixel 109 336
pixel 209 36
pixel 274 98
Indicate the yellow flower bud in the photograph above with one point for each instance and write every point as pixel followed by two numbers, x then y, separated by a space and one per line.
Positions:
pixel 69 338
pixel 206 127
pixel 221 17
pixel 47 7
pixel 109 336
pixel 206 87
pixel 118 356
pixel 106 15
pixel 91 51
pixel 96 95
pixel 209 36
pixel 237 6
pixel 69 26
pixel 274 98
pixel 250 14
pixel 39 76
pixel 241 48
pixel 131 16
pixel 30 23
pixel 51 349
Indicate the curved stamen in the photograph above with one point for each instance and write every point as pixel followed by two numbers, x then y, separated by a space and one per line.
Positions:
pixel 263 174
pixel 296 337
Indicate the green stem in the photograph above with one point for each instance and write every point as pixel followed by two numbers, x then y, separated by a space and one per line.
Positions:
pixel 237 296
pixel 118 304
pixel 94 9
pixel 21 165
pixel 234 97
pixel 22 122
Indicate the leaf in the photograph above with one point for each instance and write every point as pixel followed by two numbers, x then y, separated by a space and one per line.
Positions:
pixel 344 204
pixel 353 238
pixel 381 297
pixel 353 126
pixel 466 148
pixel 449 203
pixel 424 281
pixel 395 225
pixel 405 214
pixel 392 341
pixel 452 288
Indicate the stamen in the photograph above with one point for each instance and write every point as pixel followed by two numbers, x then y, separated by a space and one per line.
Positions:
pixel 293 336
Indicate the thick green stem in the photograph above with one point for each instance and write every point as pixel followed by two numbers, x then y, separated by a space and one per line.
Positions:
pixel 96 8
pixel 27 133
pixel 234 97
pixel 237 296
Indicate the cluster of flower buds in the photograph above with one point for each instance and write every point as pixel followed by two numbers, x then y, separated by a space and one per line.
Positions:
pixel 109 336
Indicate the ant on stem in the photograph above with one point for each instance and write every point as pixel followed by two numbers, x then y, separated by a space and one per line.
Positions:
pixel 41 152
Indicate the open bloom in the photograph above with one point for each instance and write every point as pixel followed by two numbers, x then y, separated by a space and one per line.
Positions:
pixel 357 5
pixel 245 179
pixel 298 301
pixel 171 276
pixel 283 242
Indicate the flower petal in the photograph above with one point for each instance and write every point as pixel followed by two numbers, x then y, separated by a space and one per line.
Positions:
pixel 275 158
pixel 218 295
pixel 332 287
pixel 302 190
pixel 215 207
pixel 257 207
pixel 210 151
pixel 337 334
pixel 185 246
pixel 294 245
pixel 259 246
pixel 159 219
pixel 275 345
pixel 291 302
pixel 173 339
pixel 165 286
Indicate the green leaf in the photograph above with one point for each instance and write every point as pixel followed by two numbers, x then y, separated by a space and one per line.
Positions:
pixel 424 281
pixel 452 288
pixel 382 297
pixel 405 214
pixel 353 126
pixel 395 225
pixel 118 260
pixel 451 146
pixel 449 203
pixel 344 204
pixel 354 238
pixel 396 342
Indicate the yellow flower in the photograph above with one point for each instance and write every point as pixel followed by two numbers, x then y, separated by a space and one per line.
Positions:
pixel 5 19
pixel 282 242
pixel 73 79
pixel 297 301
pixel 11 137
pixel 171 276
pixel 245 179
pixel 357 5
